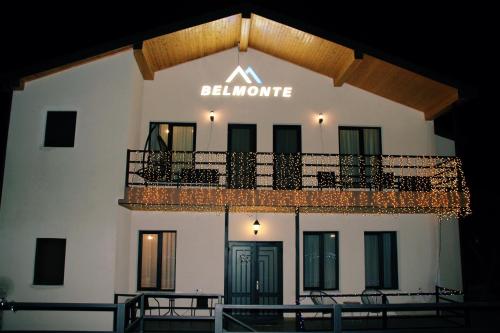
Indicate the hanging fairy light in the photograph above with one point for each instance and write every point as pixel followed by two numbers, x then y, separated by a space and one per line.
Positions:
pixel 277 183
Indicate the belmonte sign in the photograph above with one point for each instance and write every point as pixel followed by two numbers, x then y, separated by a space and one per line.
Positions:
pixel 251 89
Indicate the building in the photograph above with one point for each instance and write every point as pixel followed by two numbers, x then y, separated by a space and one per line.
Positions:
pixel 147 168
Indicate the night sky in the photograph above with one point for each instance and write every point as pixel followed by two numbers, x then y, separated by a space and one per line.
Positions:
pixel 455 41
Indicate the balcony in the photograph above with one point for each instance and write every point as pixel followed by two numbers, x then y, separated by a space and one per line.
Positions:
pixel 315 183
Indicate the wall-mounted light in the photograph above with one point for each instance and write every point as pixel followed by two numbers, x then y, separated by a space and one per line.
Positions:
pixel 256 227
pixel 212 115
pixel 320 118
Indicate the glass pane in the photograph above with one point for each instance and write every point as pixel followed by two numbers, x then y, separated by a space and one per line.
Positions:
pixel 330 260
pixel 168 261
pixel 149 260
pixel 349 165
pixel 371 141
pixel 287 140
pixel 182 146
pixel 371 261
pixel 311 261
pixel 387 253
pixel 349 141
pixel 240 140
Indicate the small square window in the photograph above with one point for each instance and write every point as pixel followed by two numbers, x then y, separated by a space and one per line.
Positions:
pixel 60 129
pixel 49 261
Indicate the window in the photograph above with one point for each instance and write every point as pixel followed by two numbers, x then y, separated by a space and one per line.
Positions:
pixel 60 129
pixel 356 141
pixel 49 261
pixel 177 138
pixel 381 263
pixel 321 265
pixel 156 260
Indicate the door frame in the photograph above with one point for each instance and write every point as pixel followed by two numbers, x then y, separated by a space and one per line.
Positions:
pixel 230 127
pixel 299 148
pixel 254 244
pixel 361 166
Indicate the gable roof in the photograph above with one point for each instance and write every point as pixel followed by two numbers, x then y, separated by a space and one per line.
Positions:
pixel 343 61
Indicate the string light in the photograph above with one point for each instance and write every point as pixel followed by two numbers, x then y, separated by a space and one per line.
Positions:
pixel 269 182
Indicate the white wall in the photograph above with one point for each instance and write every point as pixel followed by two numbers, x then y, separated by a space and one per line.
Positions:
pixel 200 251
pixel 174 96
pixel 450 274
pixel 70 193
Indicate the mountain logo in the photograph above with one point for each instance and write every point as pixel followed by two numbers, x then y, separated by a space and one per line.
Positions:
pixel 245 75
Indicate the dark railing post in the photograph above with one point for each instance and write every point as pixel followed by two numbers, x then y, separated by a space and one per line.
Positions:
pixel 115 301
pixel 337 318
pixel 141 322
pixel 384 312
pixel 437 300
pixel 127 168
pixel 218 318
pixel 467 322
pixel 120 318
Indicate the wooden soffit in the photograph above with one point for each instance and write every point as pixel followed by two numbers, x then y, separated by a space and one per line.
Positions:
pixel 342 64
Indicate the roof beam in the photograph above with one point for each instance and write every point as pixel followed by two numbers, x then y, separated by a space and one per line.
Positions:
pixel 142 62
pixel 349 69
pixel 245 33
pixel 441 107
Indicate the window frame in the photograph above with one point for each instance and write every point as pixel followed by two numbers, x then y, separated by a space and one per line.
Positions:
pixel 36 269
pixel 159 257
pixel 394 258
pixel 54 111
pixel 322 260
pixel 361 137
pixel 171 131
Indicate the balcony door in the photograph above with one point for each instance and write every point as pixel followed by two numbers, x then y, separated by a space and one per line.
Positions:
pixel 255 273
pixel 178 142
pixel 360 161
pixel 242 158
pixel 287 162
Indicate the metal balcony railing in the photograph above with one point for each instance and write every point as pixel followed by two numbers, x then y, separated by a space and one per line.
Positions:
pixel 301 171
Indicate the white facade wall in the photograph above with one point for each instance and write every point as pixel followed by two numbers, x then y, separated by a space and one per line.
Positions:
pixel 69 193
pixel 200 250
pixel 72 192
pixel 174 96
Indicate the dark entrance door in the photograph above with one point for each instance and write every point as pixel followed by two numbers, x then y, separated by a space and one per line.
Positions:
pixel 255 273
pixel 287 157
pixel 242 158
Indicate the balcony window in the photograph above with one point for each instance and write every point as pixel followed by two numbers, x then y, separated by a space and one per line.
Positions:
pixel 157 251
pixel 177 141
pixel 361 148
pixel 321 265
pixel 381 266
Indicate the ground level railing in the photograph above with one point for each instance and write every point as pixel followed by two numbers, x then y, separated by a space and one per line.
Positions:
pixel 119 310
pixel 131 315
pixel 252 318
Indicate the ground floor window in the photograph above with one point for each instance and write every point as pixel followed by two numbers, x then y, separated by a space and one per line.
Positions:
pixel 50 257
pixel 156 269
pixel 321 265
pixel 381 264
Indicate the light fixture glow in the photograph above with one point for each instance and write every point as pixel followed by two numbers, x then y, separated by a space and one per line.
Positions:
pixel 150 237
pixel 320 118
pixel 256 227
pixel 212 115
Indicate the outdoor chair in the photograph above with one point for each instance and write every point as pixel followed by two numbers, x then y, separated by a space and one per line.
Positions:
pixel 373 296
pixel 321 298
